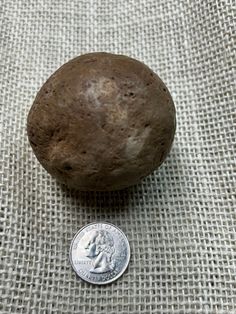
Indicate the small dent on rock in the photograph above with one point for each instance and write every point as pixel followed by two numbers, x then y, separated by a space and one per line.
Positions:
pixel 67 167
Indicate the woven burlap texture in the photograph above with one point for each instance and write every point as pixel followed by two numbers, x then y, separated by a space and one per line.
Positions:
pixel 181 220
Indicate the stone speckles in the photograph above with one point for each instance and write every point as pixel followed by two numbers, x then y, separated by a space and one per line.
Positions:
pixel 102 122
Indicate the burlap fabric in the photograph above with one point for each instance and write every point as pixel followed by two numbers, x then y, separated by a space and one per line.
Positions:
pixel 181 220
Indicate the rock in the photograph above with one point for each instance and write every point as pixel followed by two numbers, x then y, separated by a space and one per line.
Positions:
pixel 102 122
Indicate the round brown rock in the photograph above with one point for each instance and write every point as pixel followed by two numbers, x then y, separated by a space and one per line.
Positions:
pixel 102 122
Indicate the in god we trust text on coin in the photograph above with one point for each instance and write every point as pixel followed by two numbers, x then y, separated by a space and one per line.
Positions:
pixel 99 253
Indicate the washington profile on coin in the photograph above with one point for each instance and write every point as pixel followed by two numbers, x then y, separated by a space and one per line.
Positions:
pixel 99 253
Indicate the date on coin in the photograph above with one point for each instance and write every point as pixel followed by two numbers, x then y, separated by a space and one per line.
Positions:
pixel 99 253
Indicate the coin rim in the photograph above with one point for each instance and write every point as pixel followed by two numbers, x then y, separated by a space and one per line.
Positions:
pixel 126 264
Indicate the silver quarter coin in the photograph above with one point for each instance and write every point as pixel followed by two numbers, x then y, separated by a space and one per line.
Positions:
pixel 99 253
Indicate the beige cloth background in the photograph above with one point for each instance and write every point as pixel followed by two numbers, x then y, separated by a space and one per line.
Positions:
pixel 181 220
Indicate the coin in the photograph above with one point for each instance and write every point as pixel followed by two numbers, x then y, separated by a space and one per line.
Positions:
pixel 99 253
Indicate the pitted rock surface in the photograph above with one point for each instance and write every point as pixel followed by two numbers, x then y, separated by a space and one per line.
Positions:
pixel 102 122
